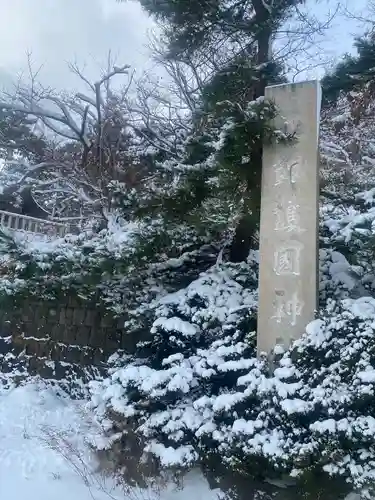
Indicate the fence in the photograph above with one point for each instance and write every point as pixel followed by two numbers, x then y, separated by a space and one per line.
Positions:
pixel 19 222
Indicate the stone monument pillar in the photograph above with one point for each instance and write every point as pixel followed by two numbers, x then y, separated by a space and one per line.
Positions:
pixel 288 270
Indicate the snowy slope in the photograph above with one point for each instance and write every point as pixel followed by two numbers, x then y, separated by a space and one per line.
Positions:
pixel 32 467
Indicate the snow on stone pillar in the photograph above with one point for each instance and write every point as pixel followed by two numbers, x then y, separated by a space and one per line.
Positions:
pixel 288 272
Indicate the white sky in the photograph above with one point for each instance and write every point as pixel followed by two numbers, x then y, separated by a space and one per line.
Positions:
pixel 57 31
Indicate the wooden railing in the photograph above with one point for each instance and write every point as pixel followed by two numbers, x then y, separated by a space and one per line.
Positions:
pixel 19 222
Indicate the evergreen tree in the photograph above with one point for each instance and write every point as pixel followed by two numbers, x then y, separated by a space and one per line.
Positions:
pixel 354 73
pixel 17 137
pixel 236 41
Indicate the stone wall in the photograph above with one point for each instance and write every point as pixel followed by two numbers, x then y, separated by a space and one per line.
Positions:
pixel 55 336
pixel 69 333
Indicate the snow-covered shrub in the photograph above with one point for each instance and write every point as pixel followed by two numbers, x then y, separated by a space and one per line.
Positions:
pixel 195 390
pixel 202 341
pixel 338 278
pixel 119 266
pixel 202 392
pixel 333 366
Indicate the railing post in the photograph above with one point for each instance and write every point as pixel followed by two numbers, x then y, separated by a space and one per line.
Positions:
pixel 19 222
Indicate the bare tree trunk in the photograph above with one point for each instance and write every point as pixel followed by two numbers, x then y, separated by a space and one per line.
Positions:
pixel 249 222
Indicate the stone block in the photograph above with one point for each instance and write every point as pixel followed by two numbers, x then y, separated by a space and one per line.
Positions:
pixel 120 322
pixel 91 317
pixel 57 332
pixel 41 320
pixel 69 315
pixel 52 313
pixel 6 329
pixel 83 335
pixel 44 349
pixel 76 302
pixel 111 339
pixel 97 337
pixel 106 321
pixel 28 314
pixel 71 301
pixel 70 334
pixel 62 317
pixel 31 347
pixel 37 331
pixel 57 352
pixel 78 317
pixel 18 340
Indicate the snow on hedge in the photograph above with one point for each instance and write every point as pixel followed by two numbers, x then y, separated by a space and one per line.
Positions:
pixel 202 392
pixel 195 388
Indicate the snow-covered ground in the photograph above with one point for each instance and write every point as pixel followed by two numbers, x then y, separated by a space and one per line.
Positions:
pixel 43 454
